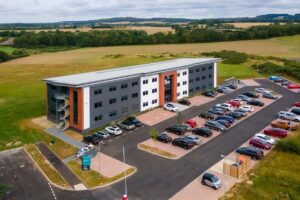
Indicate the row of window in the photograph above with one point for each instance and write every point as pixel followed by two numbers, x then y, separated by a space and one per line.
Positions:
pixel 145 93
pixel 198 88
pixel 183 93
pixel 183 83
pixel 198 69
pixel 146 81
pixel 114 113
pixel 145 104
pixel 183 73
pixel 114 88
pixel 198 78
pixel 114 100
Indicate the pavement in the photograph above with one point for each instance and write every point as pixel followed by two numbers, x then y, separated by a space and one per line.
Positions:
pixel 155 116
pixel 157 177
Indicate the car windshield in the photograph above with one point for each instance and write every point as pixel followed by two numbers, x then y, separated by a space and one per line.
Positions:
pixel 214 178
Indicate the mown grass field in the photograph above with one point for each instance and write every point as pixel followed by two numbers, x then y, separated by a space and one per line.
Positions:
pixel 7 49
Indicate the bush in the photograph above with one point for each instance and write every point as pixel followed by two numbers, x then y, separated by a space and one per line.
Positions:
pixel 4 56
pixel 229 57
pixel 291 144
pixel 18 53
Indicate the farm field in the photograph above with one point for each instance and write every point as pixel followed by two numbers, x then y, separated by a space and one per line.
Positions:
pixel 249 24
pixel 286 47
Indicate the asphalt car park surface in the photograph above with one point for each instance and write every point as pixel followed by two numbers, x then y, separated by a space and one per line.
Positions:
pixel 160 178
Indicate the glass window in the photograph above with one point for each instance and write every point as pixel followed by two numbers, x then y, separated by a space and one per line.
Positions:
pixel 124 98
pixel 145 81
pixel 134 83
pixel 154 90
pixel 112 101
pixel 112 88
pixel 154 80
pixel 145 93
pixel 184 73
pixel 113 113
pixel 97 91
pixel 123 86
pixel 134 95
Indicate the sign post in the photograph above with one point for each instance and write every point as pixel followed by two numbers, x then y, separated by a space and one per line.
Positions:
pixel 86 162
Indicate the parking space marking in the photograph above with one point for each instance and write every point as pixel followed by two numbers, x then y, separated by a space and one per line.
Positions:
pixel 52 191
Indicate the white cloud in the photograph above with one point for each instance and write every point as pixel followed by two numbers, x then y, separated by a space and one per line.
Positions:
pixel 57 10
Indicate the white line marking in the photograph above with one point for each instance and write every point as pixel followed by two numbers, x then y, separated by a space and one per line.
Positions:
pixel 52 191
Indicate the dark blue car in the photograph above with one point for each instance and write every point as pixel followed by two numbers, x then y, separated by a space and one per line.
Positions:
pixel 275 78
pixel 225 117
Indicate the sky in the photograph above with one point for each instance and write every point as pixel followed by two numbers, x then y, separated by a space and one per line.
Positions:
pixel 12 11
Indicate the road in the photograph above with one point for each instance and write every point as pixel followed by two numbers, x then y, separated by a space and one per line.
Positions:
pixel 159 178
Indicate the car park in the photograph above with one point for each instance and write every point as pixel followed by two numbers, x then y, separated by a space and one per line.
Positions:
pixel 224 122
pixel 184 102
pixel 194 139
pixel 214 125
pixel 235 115
pixel 293 86
pixel 251 94
pixel 114 130
pixel 227 106
pixel 243 97
pixel 183 143
pixel 246 108
pixel 178 130
pixel 211 180
pixel 276 132
pixel 259 143
pixel 127 125
pixel 170 107
pixel 265 137
pixel 93 139
pixel 134 121
pixel 164 137
pixel 216 111
pixel 253 152
pixel 270 95
pixel 226 117
pixel 192 123
pixel 297 103
pixel 279 123
pixel 296 111
pixel 256 103
pixel 207 115
pixel 276 79
pixel 103 133
pixel 209 93
pixel 288 116
pixel 242 112
pixel 203 131
pixel 232 86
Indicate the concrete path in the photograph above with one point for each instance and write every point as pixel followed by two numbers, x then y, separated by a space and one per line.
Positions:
pixel 60 135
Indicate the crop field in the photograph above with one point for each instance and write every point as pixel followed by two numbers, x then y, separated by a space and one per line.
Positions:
pixel 249 24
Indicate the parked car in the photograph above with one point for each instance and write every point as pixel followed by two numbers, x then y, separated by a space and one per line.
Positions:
pixel 127 125
pixel 164 137
pixel 194 139
pixel 134 121
pixel 176 129
pixel 270 95
pixel 224 122
pixel 170 107
pixel 184 102
pixel 114 130
pixel 285 82
pixel 91 139
pixel 234 103
pixel 255 103
pixel 82 152
pixel 192 123
pixel 183 143
pixel 207 115
pixel 265 137
pixel 227 106
pixel 288 116
pixel 296 111
pixel 216 111
pixel 235 115
pixel 275 79
pixel 211 180
pixel 240 101
pixel 260 90
pixel 246 108
pixel 232 86
pixel 276 132
pixel 209 93
pixel 242 112
pixel 252 152
pixel 297 103
pixel 243 97
pixel 186 127
pixel 226 117
pixel 251 94
pixel 103 133
pixel 203 131
pixel 222 90
pixel 259 143
pixel 279 123
pixel 215 126
pixel 293 86
pixel 228 89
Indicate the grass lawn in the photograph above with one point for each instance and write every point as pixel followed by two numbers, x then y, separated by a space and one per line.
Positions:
pixel 7 49
pixel 157 151
pixel 3 190
pixel 92 178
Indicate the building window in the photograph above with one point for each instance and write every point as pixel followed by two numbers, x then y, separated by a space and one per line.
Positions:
pixel 191 90
pixel 154 101
pixel 184 83
pixel 191 71
pixel 145 93
pixel 123 86
pixel 178 94
pixel 154 80
pixel 124 98
pixel 197 88
pixel 112 88
pixel 134 95
pixel 145 104
pixel 178 84
pixel 203 77
pixel 75 107
pixel 191 80
pixel 184 73
pixel 98 104
pixel 178 74
pixel 197 70
pixel 184 92
pixel 203 69
pixel 97 91
pixel 209 76
pixel 112 101
pixel 124 110
pixel 203 86
pixel 97 118
pixel 145 81
pixel 113 113
pixel 210 67
pixel 134 83
pixel 197 79
pixel 154 90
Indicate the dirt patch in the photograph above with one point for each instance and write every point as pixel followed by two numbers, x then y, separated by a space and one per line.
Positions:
pixel 43 122
pixel 74 135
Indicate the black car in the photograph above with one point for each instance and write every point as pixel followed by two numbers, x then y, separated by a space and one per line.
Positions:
pixel 215 126
pixel 207 115
pixel 221 90
pixel 183 143
pixel 179 130
pixel 296 111
pixel 209 93
pixel 163 137
pixel 235 115
pixel 251 94
pixel 91 139
pixel 184 102
pixel 285 82
pixel 134 121
pixel 255 102
pixel 226 117
pixel 203 131
pixel 224 122
pixel 253 152
pixel 232 86
pixel 217 111
pixel 243 112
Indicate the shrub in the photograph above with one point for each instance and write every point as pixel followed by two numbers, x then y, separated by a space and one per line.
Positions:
pixel 3 56
pixel 291 144
pixel 229 57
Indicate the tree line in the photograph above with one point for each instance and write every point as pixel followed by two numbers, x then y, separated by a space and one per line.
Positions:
pixel 135 37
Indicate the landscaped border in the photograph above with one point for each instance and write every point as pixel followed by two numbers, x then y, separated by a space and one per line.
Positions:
pixel 157 151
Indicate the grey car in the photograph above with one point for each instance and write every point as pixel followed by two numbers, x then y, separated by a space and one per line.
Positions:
pixel 215 125
pixel 211 180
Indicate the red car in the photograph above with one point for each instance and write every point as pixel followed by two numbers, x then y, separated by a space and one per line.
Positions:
pixel 234 103
pixel 191 123
pixel 297 104
pixel 259 143
pixel 277 132
pixel 293 86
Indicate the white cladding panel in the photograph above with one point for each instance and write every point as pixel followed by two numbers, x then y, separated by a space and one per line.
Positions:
pixel 182 83
pixel 86 107
pixel 215 74
pixel 151 85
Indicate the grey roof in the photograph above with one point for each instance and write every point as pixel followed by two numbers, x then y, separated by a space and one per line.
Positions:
pixel 91 78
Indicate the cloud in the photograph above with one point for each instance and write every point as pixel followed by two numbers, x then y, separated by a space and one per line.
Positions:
pixel 57 10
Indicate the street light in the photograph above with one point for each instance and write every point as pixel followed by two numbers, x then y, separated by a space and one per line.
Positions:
pixel 224 157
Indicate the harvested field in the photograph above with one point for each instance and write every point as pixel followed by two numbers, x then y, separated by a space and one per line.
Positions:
pixel 250 24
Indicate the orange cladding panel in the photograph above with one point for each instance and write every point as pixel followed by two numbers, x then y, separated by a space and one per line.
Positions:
pixel 162 76
pixel 79 91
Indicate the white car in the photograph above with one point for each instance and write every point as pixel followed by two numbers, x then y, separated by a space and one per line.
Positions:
pixel 197 140
pixel 288 116
pixel 246 108
pixel 266 138
pixel 113 130
pixel 260 90
pixel 82 152
pixel 170 107
pixel 228 106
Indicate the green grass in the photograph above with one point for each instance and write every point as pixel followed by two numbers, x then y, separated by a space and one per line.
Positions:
pixel 157 151
pixel 7 49
pixel 3 190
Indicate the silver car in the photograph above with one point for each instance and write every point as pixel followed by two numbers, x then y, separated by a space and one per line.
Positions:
pixel 194 138
pixel 211 180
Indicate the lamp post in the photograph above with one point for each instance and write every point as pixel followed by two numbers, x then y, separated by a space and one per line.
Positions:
pixel 99 158
pixel 224 157
pixel 125 195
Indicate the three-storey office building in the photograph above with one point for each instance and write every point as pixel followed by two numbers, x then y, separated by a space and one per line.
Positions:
pixel 89 100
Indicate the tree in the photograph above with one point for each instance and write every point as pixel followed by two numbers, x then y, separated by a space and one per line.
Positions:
pixel 3 56
pixel 153 134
